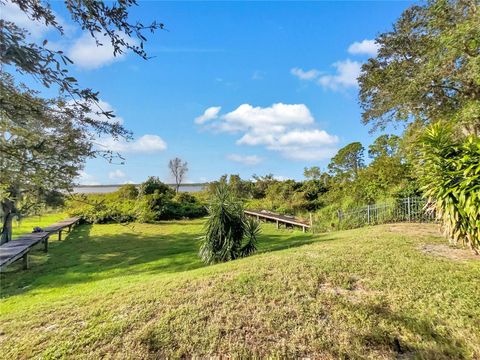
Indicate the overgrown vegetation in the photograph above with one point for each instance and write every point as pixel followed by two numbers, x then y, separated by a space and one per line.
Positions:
pixel 153 201
pixel 349 183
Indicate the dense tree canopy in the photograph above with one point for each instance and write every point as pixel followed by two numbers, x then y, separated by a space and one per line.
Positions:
pixel 427 68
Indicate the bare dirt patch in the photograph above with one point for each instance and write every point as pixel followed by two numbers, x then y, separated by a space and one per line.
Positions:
pixel 449 252
pixel 417 230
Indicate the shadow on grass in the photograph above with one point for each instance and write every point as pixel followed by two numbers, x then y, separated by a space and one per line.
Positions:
pixel 83 257
pixel 437 344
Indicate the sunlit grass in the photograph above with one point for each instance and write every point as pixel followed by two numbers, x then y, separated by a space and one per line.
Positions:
pixel 141 291
pixel 26 225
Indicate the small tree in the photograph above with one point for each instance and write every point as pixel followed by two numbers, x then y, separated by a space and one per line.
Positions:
pixel 178 169
pixel 228 234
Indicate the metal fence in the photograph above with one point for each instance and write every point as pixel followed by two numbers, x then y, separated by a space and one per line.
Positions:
pixel 411 209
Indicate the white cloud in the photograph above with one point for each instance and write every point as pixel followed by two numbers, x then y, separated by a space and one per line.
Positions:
pixel 209 114
pixel 284 128
pixel 116 174
pixel 144 144
pixel 365 47
pixel 87 55
pixel 275 118
pixel 346 77
pixel 11 12
pixel 305 75
pixel 309 153
pixel 37 29
pixel 87 179
pixel 245 159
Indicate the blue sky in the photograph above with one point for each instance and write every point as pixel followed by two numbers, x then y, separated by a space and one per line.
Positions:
pixel 233 87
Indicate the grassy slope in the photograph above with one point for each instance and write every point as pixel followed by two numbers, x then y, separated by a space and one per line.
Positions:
pixel 142 292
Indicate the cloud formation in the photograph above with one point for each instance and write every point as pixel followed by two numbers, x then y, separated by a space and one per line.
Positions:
pixel 209 114
pixel 11 12
pixel 249 160
pixel 86 54
pixel 145 144
pixel 305 75
pixel 347 72
pixel 365 47
pixel 289 129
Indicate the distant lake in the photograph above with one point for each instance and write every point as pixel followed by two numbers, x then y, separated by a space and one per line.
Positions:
pixel 102 189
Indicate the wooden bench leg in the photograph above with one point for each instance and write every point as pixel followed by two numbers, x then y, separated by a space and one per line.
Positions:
pixel 45 243
pixel 69 228
pixel 60 235
pixel 26 264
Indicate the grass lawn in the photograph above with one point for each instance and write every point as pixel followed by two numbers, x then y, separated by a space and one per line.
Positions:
pixel 26 225
pixel 140 291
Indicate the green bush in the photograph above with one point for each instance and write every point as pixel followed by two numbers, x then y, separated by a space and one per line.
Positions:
pixel 155 201
pixel 451 179
pixel 228 234
pixel 102 208
pixel 152 185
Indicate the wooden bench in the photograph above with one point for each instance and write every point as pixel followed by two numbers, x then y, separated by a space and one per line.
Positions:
pixel 60 226
pixel 20 247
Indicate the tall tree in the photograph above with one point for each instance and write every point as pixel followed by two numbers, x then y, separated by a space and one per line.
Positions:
pixel 427 68
pixel 348 161
pixel 45 142
pixel 178 170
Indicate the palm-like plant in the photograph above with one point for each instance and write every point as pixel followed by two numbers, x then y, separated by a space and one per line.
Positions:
pixel 451 178
pixel 226 228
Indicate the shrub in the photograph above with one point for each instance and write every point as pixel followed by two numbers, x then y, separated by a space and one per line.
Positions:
pixel 102 208
pixel 451 179
pixel 152 185
pixel 228 235
pixel 127 191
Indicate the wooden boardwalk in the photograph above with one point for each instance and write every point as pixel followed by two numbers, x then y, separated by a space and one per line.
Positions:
pixel 20 247
pixel 278 219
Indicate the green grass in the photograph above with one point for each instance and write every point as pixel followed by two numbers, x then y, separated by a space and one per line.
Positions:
pixel 141 292
pixel 26 225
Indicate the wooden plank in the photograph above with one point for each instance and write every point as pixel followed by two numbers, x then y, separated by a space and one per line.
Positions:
pixel 278 217
pixel 59 226
pixel 19 248
pixel 12 254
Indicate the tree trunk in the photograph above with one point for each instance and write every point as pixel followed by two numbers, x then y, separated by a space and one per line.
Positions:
pixel 8 210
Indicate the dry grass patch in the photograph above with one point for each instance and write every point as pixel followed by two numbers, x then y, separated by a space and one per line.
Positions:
pixel 449 252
